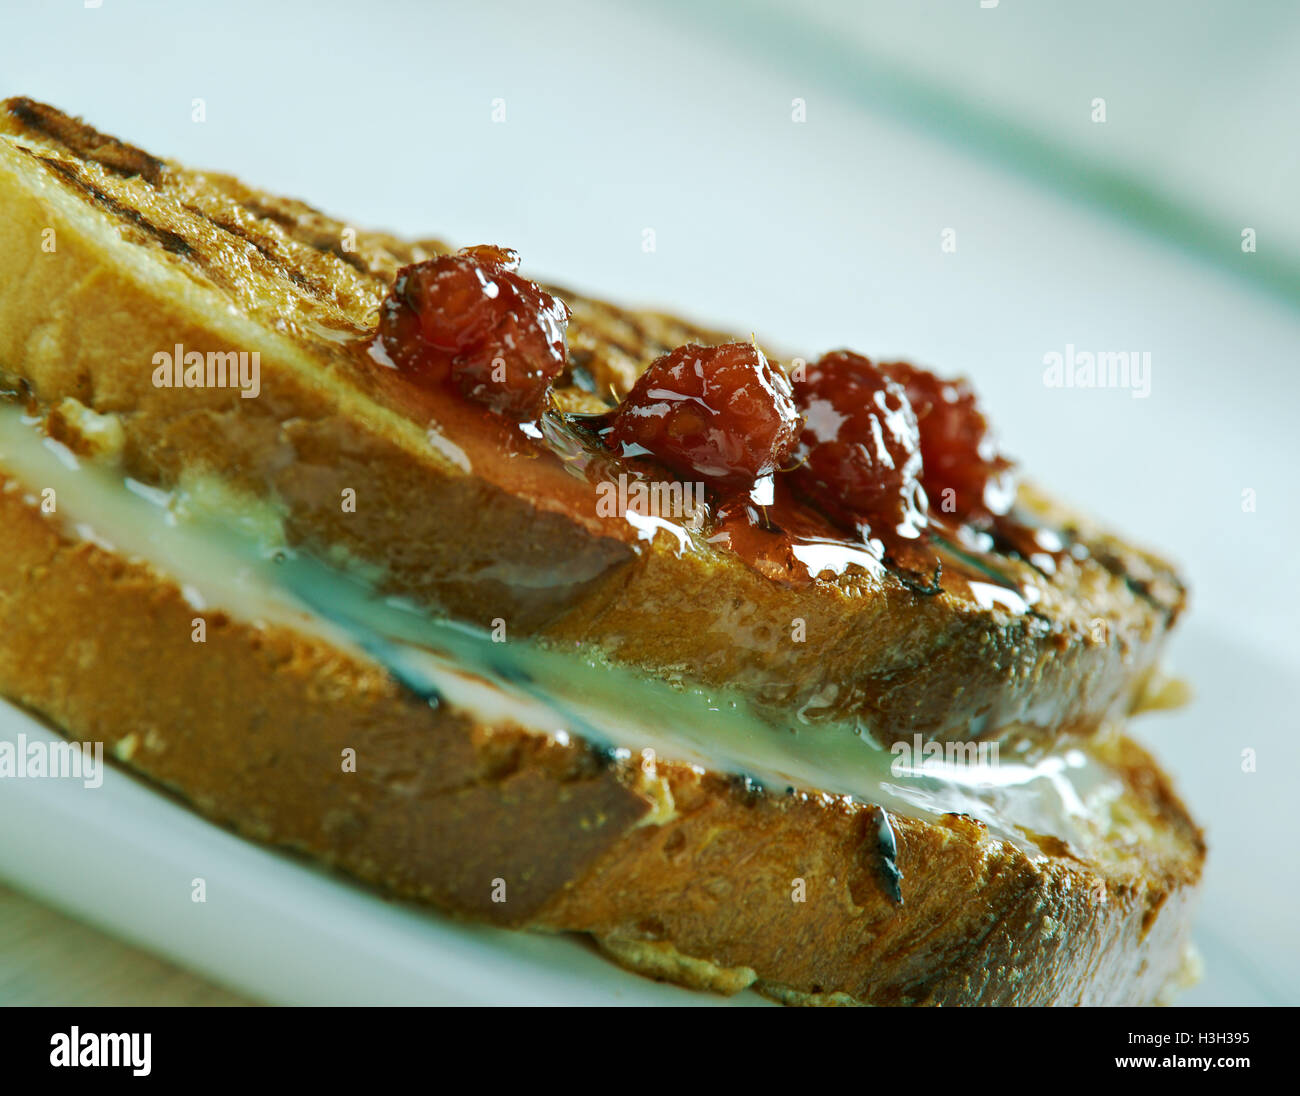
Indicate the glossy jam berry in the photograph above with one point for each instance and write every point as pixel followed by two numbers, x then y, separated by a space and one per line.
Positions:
pixel 722 413
pixel 962 471
pixel 859 451
pixel 471 319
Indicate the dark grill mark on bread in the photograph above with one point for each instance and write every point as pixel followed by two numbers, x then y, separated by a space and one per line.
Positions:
pixel 169 241
pixel 86 142
pixel 325 243
pixel 175 243
pixel 269 213
pixel 125 160
pixel 301 280
pixel 336 248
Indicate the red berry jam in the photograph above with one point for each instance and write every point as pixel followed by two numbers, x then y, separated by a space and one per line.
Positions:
pixel 860 450
pixel 962 471
pixel 471 319
pixel 722 413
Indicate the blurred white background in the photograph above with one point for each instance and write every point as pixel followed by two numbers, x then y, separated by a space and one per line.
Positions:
pixel 919 118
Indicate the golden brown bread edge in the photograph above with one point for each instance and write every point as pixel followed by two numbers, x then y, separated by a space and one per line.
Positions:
pixel 251 725
pixel 149 254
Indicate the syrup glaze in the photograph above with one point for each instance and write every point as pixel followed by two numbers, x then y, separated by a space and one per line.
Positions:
pixel 556 460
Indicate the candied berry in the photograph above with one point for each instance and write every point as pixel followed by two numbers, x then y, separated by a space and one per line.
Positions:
pixel 469 316
pixel 859 450
pixel 961 470
pixel 720 412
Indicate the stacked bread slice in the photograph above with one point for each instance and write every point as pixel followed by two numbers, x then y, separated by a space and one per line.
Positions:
pixel 329 615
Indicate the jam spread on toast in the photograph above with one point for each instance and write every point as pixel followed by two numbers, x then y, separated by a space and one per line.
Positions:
pixel 722 413
pixel 859 454
pixel 471 320
pixel 963 473
pixel 843 465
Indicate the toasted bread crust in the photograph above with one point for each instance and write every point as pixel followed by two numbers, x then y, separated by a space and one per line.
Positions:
pixel 150 256
pixel 251 726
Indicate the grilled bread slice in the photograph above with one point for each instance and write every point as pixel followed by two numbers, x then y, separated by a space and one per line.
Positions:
pixel 676 868
pixel 109 255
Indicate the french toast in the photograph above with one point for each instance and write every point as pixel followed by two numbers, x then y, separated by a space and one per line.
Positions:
pixel 560 719
pixel 699 875
pixel 150 254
